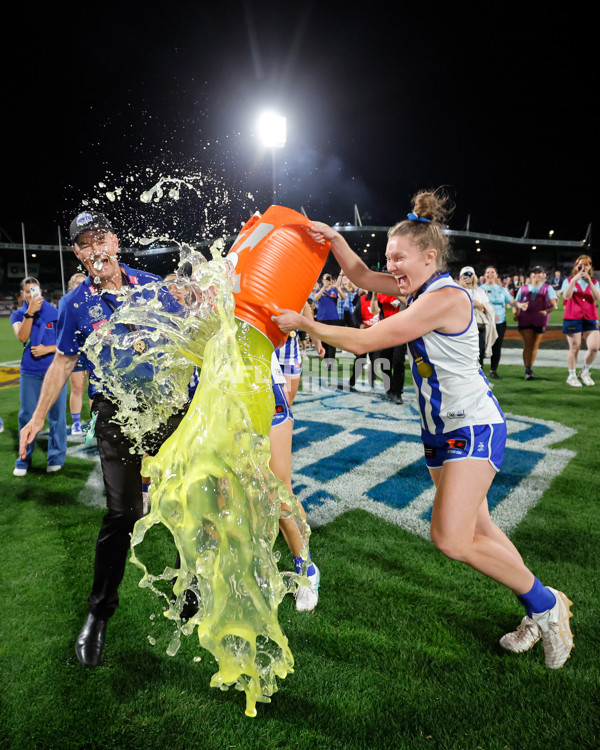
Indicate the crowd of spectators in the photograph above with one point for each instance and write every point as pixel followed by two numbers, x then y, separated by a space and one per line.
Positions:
pixel 527 298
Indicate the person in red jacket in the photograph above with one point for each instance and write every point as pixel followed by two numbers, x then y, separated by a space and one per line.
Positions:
pixel 392 359
pixel 365 315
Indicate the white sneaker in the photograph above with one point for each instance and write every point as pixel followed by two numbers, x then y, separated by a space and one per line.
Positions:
pixel 574 381
pixel 523 638
pixel 19 472
pixel 556 631
pixel 308 596
pixel 76 431
pixel 584 376
pixel 53 468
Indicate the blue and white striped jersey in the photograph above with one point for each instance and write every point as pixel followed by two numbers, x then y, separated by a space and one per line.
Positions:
pixel 452 390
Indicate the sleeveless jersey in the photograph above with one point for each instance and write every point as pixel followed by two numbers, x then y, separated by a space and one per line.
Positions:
pixel 289 353
pixel 452 390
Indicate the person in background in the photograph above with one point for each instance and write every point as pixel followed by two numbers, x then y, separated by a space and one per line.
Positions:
pixel 77 377
pixel 483 311
pixel 346 305
pixel 280 438
pixel 392 359
pixel 326 299
pixel 540 299
pixel 557 280
pixel 499 297
pixel 35 325
pixel 581 293
pixel 366 314
pixel 289 358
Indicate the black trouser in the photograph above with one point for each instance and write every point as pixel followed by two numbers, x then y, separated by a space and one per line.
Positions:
pixel 329 349
pixel 497 347
pixel 392 366
pixel 121 471
pixel 481 332
pixel 357 367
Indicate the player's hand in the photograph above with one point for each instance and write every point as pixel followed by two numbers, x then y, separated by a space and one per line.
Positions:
pixel 28 435
pixel 288 320
pixel 321 232
pixel 35 305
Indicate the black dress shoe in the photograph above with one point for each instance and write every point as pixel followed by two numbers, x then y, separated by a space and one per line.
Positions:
pixel 90 643
pixel 494 375
pixel 395 398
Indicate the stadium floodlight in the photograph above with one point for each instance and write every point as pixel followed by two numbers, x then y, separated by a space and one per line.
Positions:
pixel 272 130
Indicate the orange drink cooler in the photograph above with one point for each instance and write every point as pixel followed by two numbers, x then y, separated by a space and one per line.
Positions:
pixel 277 264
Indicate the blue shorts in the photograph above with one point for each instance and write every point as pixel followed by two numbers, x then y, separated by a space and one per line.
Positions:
pixel 481 442
pixel 293 370
pixel 81 365
pixel 579 326
pixel 282 407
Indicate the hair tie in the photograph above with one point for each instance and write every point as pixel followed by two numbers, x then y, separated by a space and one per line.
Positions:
pixel 414 217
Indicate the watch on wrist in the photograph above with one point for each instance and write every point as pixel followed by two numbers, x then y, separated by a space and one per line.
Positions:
pixel 28 315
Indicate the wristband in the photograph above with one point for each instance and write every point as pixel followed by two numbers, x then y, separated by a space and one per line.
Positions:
pixel 27 315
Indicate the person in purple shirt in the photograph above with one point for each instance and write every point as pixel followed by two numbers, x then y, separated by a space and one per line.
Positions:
pixel 34 324
pixel 84 309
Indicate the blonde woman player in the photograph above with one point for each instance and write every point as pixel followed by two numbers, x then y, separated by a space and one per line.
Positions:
pixel 463 427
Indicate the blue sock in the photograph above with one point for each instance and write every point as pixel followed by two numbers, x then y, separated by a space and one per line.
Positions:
pixel 299 564
pixel 145 486
pixel 76 418
pixel 539 599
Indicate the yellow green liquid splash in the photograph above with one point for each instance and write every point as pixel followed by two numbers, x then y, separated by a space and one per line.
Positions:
pixel 211 486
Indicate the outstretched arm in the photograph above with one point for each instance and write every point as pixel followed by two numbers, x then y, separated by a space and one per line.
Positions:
pixel 353 266
pixel 445 310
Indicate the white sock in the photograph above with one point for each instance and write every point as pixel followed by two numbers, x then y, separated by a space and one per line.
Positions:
pixel 572 372
pixel 585 368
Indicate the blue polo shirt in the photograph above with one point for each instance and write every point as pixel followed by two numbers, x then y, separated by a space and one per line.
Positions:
pixel 327 305
pixel 43 331
pixel 499 297
pixel 87 308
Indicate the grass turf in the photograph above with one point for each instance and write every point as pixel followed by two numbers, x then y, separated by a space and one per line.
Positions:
pixel 401 652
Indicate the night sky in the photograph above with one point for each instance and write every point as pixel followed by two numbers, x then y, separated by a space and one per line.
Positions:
pixel 379 105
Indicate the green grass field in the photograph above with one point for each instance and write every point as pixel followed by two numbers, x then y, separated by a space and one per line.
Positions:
pixel 401 652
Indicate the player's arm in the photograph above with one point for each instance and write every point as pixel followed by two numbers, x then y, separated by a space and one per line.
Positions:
pixel 308 313
pixel 354 267
pixel 54 381
pixel 442 310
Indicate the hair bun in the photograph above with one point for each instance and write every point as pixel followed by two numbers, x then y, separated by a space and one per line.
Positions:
pixel 432 205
